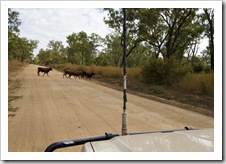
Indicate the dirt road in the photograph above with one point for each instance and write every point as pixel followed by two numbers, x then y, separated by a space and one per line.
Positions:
pixel 50 109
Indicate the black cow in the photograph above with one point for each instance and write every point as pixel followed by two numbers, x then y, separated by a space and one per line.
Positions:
pixel 67 72
pixel 77 74
pixel 45 70
pixel 72 73
pixel 88 75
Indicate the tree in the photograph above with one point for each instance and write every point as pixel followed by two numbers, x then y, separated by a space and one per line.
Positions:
pixel 54 54
pixel 13 32
pixel 26 48
pixel 13 22
pixel 140 55
pixel 172 30
pixel 44 57
pixel 209 31
pixel 169 31
pixel 95 42
pixel 104 59
pixel 113 48
pixel 115 22
pixel 57 51
pixel 82 49
pixel 18 48
pixel 22 49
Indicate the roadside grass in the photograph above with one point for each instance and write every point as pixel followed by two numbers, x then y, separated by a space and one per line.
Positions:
pixel 15 66
pixel 202 83
pixel 14 84
pixel 100 71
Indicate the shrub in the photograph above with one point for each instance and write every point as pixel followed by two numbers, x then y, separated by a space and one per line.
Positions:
pixel 164 72
pixel 198 67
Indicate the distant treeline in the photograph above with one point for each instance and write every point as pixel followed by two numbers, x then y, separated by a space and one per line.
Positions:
pixel 164 42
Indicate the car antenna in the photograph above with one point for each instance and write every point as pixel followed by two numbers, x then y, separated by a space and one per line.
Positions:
pixel 124 114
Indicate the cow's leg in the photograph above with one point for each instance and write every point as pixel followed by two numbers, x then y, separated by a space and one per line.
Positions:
pixel 38 73
pixel 43 73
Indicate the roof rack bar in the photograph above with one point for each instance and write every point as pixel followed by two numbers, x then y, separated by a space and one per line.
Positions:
pixel 164 131
pixel 79 141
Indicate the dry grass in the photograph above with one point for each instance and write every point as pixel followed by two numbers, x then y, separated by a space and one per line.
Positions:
pixel 13 84
pixel 15 66
pixel 100 71
pixel 202 83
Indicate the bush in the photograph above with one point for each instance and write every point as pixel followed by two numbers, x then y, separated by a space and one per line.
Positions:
pixel 197 68
pixel 164 72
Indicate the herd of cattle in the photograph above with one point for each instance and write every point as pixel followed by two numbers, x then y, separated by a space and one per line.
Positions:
pixel 68 73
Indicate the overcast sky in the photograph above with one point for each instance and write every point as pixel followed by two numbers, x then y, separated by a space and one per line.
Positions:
pixel 45 24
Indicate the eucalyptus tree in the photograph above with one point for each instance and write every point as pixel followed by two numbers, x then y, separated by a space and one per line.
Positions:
pixel 13 32
pixel 140 55
pixel 19 48
pixel 208 19
pixel 44 57
pixel 82 49
pixel 104 59
pixel 26 48
pixel 96 43
pixel 113 48
pixel 58 53
pixel 13 22
pixel 169 31
pixel 114 21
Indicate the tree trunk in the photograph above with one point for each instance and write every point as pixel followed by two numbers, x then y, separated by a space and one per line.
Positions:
pixel 211 38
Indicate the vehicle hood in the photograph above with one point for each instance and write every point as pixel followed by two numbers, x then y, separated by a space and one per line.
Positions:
pixel 176 141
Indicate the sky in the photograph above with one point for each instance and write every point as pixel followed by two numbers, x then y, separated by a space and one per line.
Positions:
pixel 45 24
